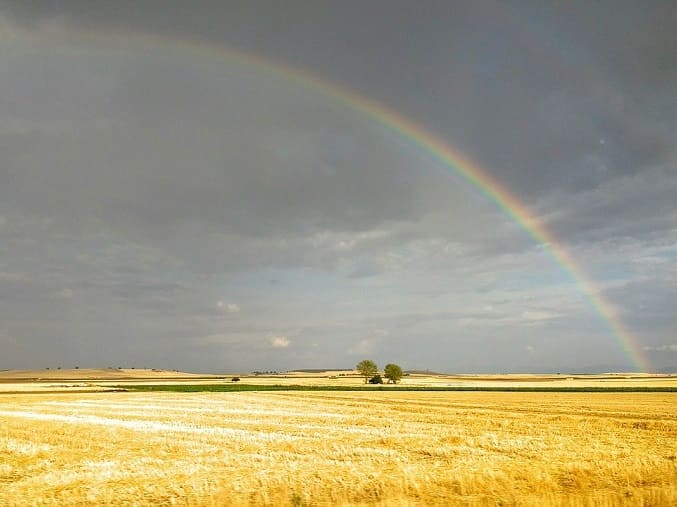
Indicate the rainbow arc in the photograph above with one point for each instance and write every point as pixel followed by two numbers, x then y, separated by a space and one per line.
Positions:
pixel 452 159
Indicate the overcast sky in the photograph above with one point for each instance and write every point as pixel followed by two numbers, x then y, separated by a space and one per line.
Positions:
pixel 171 207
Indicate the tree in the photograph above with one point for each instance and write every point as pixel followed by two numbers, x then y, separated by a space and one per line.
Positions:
pixel 393 373
pixel 367 369
pixel 376 379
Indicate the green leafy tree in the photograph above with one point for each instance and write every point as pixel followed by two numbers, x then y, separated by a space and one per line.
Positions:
pixel 367 369
pixel 393 373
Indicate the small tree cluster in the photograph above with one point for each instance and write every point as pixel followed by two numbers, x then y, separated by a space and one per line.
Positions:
pixel 393 373
pixel 369 371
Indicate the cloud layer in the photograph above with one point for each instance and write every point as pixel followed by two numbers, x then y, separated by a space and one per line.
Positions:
pixel 167 208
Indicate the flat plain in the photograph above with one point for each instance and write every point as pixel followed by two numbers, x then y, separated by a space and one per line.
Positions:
pixel 338 448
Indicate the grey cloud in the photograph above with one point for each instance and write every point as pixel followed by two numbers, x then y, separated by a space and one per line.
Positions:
pixel 637 206
pixel 269 162
pixel 648 305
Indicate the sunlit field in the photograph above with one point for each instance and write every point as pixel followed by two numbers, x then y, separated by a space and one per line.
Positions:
pixel 338 448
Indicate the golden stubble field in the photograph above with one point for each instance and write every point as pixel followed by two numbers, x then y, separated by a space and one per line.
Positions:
pixel 338 448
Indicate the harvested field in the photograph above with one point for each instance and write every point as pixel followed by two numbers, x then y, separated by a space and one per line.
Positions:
pixel 338 448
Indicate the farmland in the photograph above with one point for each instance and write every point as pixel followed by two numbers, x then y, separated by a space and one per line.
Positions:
pixel 338 448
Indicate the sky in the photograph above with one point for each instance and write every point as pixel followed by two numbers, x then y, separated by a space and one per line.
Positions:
pixel 198 185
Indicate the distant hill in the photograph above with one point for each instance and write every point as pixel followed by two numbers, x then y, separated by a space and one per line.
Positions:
pixel 94 374
pixel 320 370
pixel 606 368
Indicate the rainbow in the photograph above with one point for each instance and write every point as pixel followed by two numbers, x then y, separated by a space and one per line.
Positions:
pixel 446 154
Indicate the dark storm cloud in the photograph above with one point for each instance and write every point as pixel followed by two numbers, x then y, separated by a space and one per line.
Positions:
pixel 190 153
pixel 556 96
